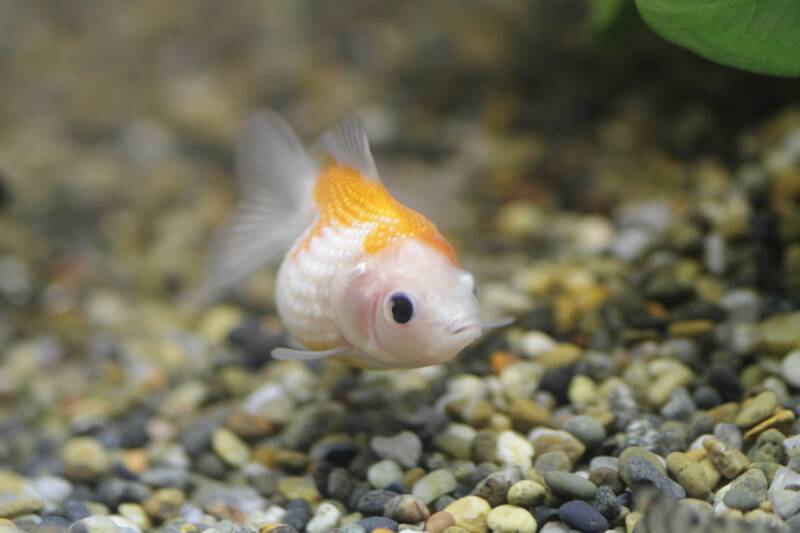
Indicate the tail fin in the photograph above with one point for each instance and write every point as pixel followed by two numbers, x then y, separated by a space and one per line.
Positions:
pixel 276 178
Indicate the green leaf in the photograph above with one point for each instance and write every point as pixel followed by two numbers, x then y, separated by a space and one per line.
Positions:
pixel 757 35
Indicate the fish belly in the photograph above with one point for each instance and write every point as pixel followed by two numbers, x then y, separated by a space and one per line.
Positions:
pixel 304 283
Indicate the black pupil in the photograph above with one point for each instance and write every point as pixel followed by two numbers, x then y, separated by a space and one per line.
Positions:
pixel 402 308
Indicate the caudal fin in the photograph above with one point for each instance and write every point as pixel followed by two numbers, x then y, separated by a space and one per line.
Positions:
pixel 276 178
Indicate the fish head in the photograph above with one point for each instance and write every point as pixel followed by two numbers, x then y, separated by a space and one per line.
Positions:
pixel 407 306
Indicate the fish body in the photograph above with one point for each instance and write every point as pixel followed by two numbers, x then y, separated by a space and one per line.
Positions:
pixel 364 278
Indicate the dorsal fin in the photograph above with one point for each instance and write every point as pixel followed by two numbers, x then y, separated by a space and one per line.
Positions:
pixel 348 145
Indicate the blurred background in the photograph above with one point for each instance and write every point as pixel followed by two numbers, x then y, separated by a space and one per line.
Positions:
pixel 118 119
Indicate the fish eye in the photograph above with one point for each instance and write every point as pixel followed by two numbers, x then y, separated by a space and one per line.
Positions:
pixel 401 307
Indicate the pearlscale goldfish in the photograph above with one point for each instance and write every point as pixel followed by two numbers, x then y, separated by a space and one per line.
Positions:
pixel 365 280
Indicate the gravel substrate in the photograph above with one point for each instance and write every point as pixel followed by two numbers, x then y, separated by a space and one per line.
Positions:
pixel 651 379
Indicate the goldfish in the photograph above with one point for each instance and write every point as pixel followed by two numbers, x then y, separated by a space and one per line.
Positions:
pixel 364 279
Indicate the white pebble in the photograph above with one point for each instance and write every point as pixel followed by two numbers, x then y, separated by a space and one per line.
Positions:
pixel 514 449
pixel 326 517
pixel 790 367
pixel 536 344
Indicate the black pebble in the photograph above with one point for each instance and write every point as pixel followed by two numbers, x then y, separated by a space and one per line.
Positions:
pixel 544 514
pixel 726 381
pixel 75 510
pixel 373 502
pixel 580 515
pixel 339 485
pixel 605 502
pixel 375 522
pixel 5 193
pixel 556 381
pixel 298 513
pixel 706 397
pixel 626 499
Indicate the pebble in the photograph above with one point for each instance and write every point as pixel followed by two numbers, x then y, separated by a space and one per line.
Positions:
pixel 470 513
pixel 569 485
pixel 229 447
pixel 164 504
pixel 689 474
pixel 510 519
pixel 586 429
pixel 384 473
pixel 728 460
pixel 527 414
pixel 405 448
pixel 85 459
pixel 556 460
pixel 406 509
pixel 94 524
pixel 780 333
pixel 433 485
pixel 16 505
pixel 378 524
pixel 756 409
pixel 296 487
pixel 536 343
pixel 456 441
pixel 581 516
pixel 513 449
pixel 644 474
pixel 747 491
pixel 438 522
pixel 546 440
pixel 297 514
pixel 790 368
pixel 606 503
pixel 325 517
pixel 526 493
pixel 768 448
pixel 374 502
pixel 494 487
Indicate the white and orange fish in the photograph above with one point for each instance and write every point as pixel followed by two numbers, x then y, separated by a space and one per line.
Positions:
pixel 365 280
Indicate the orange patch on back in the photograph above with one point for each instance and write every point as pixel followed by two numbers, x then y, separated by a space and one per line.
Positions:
pixel 345 198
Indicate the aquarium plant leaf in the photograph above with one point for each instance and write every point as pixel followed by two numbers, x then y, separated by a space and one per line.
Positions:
pixel 757 35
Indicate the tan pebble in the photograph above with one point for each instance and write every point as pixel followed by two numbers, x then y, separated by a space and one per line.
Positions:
pixel 582 391
pixel 781 420
pixel 382 530
pixel 630 521
pixel 728 460
pixel 526 414
pixel 697 454
pixel 164 503
pixel 456 529
pixel 526 493
pixel 298 488
pixel 689 474
pixel 135 460
pixel 549 440
pixel 470 513
pixel 438 522
pixel 511 519
pixel 712 474
pixel 724 413
pixel 659 390
pixel 756 409
pixel 564 354
pixel 411 475
pixel 690 328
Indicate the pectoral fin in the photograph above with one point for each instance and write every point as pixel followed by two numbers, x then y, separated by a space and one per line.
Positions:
pixel 499 323
pixel 308 355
